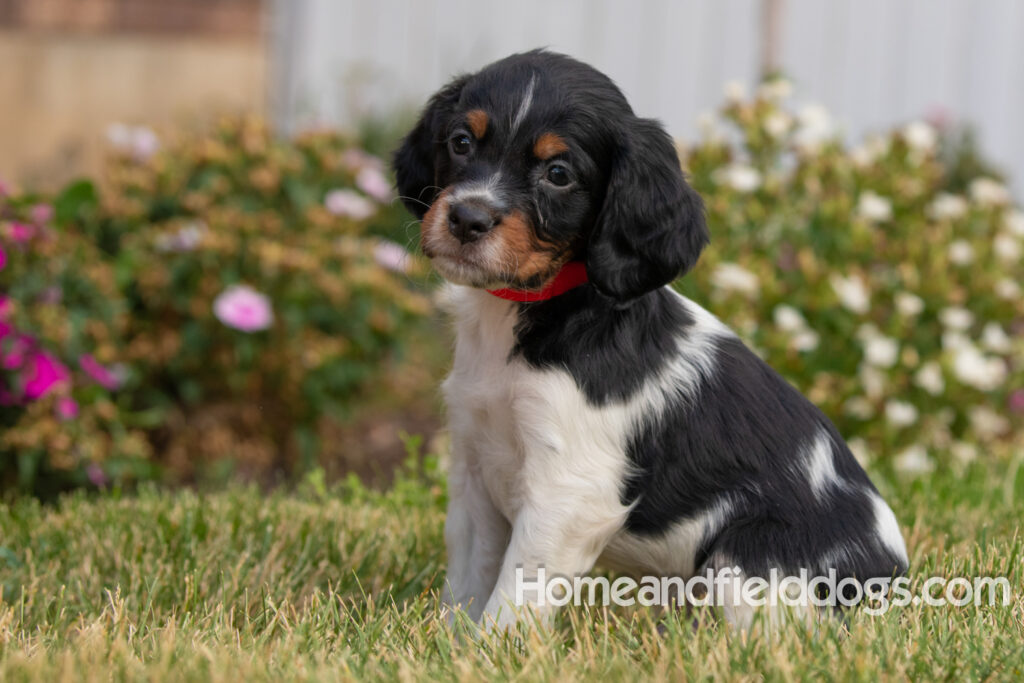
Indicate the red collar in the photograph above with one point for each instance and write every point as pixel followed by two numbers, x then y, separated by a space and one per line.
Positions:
pixel 572 275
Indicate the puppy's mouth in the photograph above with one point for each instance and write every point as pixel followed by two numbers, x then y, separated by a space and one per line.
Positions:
pixel 471 244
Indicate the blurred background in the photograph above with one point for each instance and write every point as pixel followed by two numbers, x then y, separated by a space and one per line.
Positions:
pixel 204 274
pixel 75 66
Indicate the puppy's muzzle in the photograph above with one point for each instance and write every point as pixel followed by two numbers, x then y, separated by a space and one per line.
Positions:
pixel 469 221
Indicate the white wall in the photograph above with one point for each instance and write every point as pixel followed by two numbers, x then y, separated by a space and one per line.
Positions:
pixel 873 63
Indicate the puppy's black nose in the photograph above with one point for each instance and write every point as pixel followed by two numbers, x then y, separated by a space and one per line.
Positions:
pixel 469 222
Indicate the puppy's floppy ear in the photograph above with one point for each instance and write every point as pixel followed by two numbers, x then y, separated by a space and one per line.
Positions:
pixel 651 228
pixel 415 159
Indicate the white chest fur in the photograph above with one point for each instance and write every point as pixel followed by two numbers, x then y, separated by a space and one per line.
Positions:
pixel 480 393
pixel 531 438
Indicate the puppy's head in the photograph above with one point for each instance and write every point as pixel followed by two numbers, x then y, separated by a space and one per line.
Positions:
pixel 538 160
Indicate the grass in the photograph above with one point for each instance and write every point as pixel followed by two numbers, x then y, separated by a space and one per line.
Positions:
pixel 342 583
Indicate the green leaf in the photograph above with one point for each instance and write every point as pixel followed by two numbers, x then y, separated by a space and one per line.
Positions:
pixel 76 201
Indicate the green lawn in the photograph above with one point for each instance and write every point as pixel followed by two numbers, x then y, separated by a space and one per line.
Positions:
pixel 342 584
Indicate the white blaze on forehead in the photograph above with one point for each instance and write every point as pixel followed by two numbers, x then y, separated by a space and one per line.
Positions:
pixel 482 190
pixel 525 104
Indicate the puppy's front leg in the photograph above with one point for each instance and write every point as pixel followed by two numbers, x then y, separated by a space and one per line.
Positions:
pixel 552 535
pixel 476 536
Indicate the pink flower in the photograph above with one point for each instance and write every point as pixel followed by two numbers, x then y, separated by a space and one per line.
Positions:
pixel 101 375
pixel 374 183
pixel 45 372
pixel 22 232
pixel 1016 402
pixel 3 258
pixel 243 308
pixel 66 408
pixel 41 213
pixel 940 117
pixel 145 143
pixel 96 474
pixel 391 256
pixel 354 159
pixel 17 348
pixel 349 203
pixel 51 295
pixel 5 309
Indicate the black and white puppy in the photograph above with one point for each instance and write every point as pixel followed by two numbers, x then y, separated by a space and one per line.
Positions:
pixel 596 415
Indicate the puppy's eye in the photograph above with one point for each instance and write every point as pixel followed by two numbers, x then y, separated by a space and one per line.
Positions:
pixel 558 175
pixel 461 144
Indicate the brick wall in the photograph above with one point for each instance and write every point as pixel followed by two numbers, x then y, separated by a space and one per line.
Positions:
pixel 240 18
pixel 73 67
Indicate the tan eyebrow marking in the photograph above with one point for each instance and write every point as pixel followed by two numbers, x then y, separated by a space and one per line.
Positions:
pixel 548 145
pixel 478 121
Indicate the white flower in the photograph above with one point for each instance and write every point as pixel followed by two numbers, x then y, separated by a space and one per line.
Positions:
pixel 920 136
pixel 1007 289
pixel 1014 222
pixel 929 377
pixel 852 292
pixel 977 370
pixel 964 452
pixel 776 89
pixel 1006 248
pixel 994 338
pixel 740 177
pixel 868 153
pixel 914 460
pixel 805 340
pixel 874 207
pixel 987 423
pixel 139 142
pixel 909 304
pixel 961 253
pixel 956 318
pixel 947 207
pixel 185 238
pixel 859 407
pixel 815 127
pixel 732 277
pixel 881 352
pixel 954 341
pixel 777 123
pixel 989 192
pixel 900 413
pixel 788 319
pixel 873 380
pixel 735 91
pixel 119 135
pixel 859 448
pixel 349 203
pixel 709 128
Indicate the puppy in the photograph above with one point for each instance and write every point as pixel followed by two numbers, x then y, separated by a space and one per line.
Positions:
pixel 596 415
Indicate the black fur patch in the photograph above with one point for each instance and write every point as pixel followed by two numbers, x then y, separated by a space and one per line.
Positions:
pixel 742 437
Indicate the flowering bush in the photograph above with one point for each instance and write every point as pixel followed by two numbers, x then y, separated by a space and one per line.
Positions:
pixel 248 291
pixel 61 321
pixel 224 297
pixel 894 303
